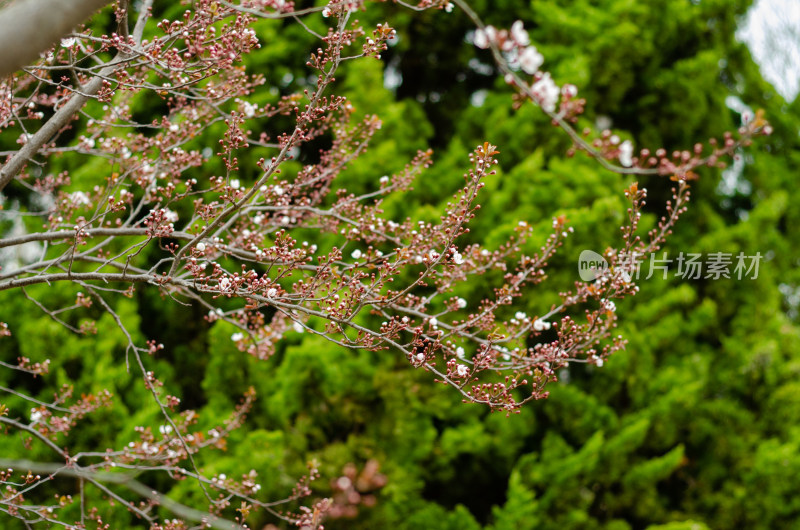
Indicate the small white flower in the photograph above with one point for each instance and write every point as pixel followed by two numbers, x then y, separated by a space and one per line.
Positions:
pixel 449 7
pixel 460 353
pixel 170 216
pixel 461 303
pixel 530 60
pixel 36 415
pixel 420 357
pixel 235 184
pixel 277 190
pixel 249 109
pixel 626 153
pixel 597 361
pixel 384 179
pixel 298 327
pixel 462 370
pixel 546 92
pixel 326 12
pixel 68 42
pixel 271 292
pixel 458 259
pixel 236 337
pixel 434 323
pixel 519 34
pixel 541 325
pixel 224 284
pixel 355 254
pixel 165 429
pixel 79 198
pixel 519 315
pixel 258 219
pixel 201 247
pixel 610 306
pixel 484 37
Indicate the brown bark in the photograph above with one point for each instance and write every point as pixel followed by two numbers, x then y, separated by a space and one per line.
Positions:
pixel 29 27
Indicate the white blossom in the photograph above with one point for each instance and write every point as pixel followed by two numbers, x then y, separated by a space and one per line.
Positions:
pixel 68 42
pixel 626 153
pixel 236 337
pixel 298 327
pixel 546 92
pixel 462 370
pixel 530 60
pixel 461 303
pixel 484 37
pixel 519 315
pixel 79 198
pixel 355 254
pixel 235 184
pixel 170 216
pixel 541 325
pixel 460 353
pixel 201 247
pixel 458 259
pixel 597 361
pixel 36 416
pixel 519 34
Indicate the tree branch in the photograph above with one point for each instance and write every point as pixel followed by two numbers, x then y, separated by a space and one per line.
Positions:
pixel 28 28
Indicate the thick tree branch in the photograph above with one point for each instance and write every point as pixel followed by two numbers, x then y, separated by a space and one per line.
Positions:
pixel 29 27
